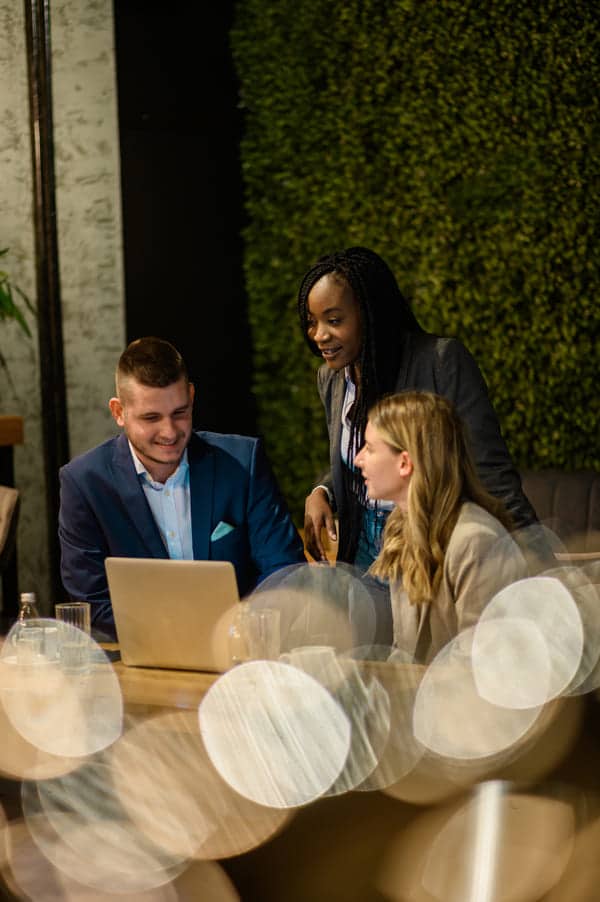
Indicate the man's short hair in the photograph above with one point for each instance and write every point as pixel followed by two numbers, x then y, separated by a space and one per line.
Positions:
pixel 150 361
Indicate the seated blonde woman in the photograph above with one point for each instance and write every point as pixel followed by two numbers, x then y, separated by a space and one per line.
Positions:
pixel 446 547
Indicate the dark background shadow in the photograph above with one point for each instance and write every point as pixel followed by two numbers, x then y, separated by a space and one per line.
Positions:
pixel 182 197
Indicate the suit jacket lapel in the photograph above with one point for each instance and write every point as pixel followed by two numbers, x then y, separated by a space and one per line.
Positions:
pixel 202 486
pixel 337 400
pixel 127 484
pixel 405 355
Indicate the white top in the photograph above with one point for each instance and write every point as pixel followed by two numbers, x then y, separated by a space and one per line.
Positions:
pixel 349 399
pixel 171 507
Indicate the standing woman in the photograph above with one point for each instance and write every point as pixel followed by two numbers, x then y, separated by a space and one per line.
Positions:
pixel 446 546
pixel 355 318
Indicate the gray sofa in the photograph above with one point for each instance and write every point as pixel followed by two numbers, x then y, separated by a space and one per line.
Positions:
pixel 569 505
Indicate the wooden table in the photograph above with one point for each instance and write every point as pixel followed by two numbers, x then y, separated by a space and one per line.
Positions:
pixel 333 850
pixel 149 687
pixel 11 433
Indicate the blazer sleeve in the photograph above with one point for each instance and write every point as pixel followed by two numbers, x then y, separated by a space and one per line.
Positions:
pixel 324 386
pixel 274 540
pixel 458 378
pixel 479 566
pixel 83 551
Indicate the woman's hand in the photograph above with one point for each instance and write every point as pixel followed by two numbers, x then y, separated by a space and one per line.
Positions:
pixel 318 515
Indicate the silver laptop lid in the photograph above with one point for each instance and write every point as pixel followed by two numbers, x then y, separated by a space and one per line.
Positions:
pixel 166 611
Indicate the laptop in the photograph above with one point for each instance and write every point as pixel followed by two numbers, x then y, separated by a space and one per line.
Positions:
pixel 166 612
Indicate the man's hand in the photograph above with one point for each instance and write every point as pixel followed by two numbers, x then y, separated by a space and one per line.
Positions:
pixel 318 515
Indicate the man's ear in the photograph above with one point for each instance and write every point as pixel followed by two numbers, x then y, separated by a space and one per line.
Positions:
pixel 192 391
pixel 116 408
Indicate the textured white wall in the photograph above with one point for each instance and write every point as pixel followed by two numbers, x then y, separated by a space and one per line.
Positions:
pixel 89 237
pixel 88 196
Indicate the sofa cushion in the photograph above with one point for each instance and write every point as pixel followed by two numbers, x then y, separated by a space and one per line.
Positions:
pixel 568 504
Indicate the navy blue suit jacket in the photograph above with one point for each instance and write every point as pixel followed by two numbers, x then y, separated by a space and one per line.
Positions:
pixel 104 512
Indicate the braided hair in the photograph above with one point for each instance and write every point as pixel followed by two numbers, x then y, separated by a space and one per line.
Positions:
pixel 385 317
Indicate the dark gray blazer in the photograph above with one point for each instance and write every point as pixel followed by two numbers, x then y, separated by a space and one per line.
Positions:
pixel 443 366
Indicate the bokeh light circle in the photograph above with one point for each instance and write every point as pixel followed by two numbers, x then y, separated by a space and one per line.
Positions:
pixel 549 607
pixel 79 824
pixel 450 716
pixel 319 605
pixel 274 733
pixel 69 711
pixel 174 795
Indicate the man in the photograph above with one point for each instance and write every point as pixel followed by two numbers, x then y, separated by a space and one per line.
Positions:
pixel 161 490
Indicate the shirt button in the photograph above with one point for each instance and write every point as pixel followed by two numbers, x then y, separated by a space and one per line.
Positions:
pixel 167 493
pixel 171 535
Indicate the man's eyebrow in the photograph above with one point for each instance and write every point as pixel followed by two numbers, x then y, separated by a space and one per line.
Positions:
pixel 158 413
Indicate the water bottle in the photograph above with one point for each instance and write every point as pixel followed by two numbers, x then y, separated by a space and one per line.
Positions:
pixel 28 635
pixel 27 607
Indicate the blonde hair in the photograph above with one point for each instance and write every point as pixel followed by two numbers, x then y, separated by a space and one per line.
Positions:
pixel 444 476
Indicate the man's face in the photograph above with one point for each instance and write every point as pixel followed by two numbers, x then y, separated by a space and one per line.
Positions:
pixel 157 422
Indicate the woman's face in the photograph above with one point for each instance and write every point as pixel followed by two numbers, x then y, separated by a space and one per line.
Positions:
pixel 334 322
pixel 386 472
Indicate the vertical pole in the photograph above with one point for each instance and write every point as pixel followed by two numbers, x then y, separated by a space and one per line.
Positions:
pixel 489 804
pixel 52 375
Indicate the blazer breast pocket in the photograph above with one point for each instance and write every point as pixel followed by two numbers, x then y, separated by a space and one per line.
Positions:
pixel 232 546
pixel 228 544
pixel 221 531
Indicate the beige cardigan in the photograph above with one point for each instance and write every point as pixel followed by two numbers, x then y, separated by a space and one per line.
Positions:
pixel 480 560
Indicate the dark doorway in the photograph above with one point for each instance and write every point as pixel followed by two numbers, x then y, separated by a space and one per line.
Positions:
pixel 182 197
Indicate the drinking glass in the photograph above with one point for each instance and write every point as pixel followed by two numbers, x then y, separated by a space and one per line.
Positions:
pixel 254 635
pixel 75 613
pixel 74 630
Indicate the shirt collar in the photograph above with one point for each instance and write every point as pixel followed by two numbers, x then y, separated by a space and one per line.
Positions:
pixel 175 478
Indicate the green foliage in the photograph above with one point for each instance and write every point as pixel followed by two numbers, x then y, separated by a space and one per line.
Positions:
pixel 8 308
pixel 458 140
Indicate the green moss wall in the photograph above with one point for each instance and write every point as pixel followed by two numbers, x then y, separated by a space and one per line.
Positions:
pixel 462 142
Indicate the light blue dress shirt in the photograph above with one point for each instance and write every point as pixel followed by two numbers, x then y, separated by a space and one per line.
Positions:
pixel 170 506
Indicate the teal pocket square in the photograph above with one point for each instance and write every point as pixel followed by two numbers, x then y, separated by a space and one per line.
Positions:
pixel 220 530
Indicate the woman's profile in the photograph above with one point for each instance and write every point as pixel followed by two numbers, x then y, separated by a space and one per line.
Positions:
pixel 446 547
